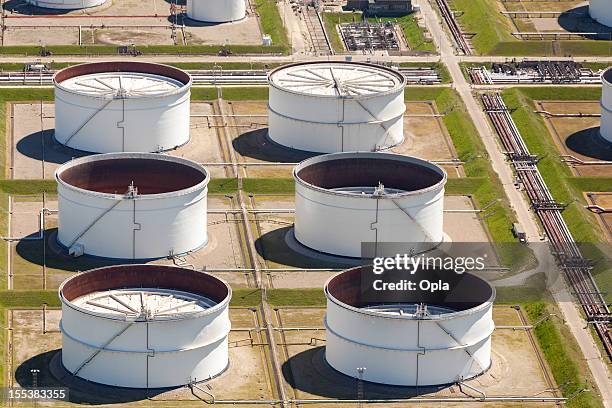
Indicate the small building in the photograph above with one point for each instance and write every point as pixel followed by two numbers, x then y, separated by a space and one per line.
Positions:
pixel 381 7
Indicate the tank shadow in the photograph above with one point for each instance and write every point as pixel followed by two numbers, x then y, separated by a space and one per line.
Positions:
pixel 188 22
pixel 256 144
pixel 23 8
pixel 279 246
pixel 309 372
pixel 578 20
pixel 56 257
pixel 177 2
pixel 42 145
pixel 588 142
pixel 53 374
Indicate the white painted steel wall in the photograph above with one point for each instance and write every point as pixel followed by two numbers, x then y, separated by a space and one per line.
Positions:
pixel 408 351
pixel 216 11
pixel 139 227
pixel 329 124
pixel 601 11
pixel 606 105
pixel 114 123
pixel 178 350
pixel 337 222
pixel 65 4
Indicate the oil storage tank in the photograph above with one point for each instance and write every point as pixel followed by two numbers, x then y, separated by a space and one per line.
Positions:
pixel 331 107
pixel 144 326
pixel 409 338
pixel 601 11
pixel 216 11
pixel 119 106
pixel 345 199
pixel 65 4
pixel 132 205
pixel 606 105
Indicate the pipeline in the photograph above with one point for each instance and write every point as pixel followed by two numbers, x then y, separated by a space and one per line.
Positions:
pixel 575 266
pixel 213 77
pixel 453 26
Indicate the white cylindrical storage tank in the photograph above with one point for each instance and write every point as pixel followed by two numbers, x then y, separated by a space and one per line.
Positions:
pixel 132 205
pixel 606 105
pixel 409 338
pixel 331 107
pixel 601 11
pixel 145 326
pixel 345 199
pixel 216 11
pixel 65 4
pixel 119 106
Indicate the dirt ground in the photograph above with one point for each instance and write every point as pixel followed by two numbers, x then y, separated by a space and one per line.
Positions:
pixel 603 200
pixel 34 264
pixel 574 17
pixel 277 249
pixel 247 376
pixel 579 137
pixel 37 266
pixel 33 142
pixel 515 369
pixel 122 22
pixel 425 137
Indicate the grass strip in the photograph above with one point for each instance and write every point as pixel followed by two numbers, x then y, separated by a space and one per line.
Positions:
pixel 279 46
pixel 565 188
pixel 563 356
pixel 470 149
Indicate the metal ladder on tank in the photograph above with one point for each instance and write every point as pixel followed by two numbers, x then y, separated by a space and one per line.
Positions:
pixel 465 346
pixel 103 347
pixel 87 121
pixel 130 194
pixel 379 191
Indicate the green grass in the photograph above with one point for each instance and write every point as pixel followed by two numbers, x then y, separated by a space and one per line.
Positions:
pixel 246 94
pixel 558 93
pixel 246 297
pixel 28 298
pixel 16 95
pixel 414 34
pixel 493 34
pixel 445 77
pixel 14 66
pixel 268 185
pixel 581 222
pixel 490 26
pixel 563 355
pixel 564 187
pixel 27 187
pixel 271 23
pixel 230 93
pixel 590 184
pixel 455 186
pixel 296 297
pixel 486 189
pixel 331 20
pixel 279 46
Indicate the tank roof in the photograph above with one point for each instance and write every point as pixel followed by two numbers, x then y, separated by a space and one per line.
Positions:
pixel 337 79
pixel 370 174
pixel 125 173
pixel 154 291
pixel 122 79
pixel 468 292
